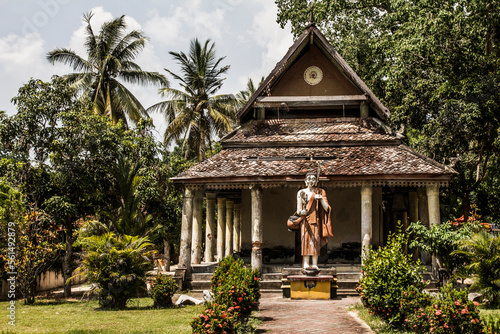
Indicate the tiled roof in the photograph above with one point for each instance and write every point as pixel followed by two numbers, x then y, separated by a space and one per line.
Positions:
pixel 305 131
pixel 335 161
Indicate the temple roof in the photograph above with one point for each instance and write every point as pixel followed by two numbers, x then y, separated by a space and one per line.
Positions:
pixel 306 132
pixel 285 150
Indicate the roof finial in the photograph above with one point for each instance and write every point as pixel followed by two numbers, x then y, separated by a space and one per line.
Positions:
pixel 311 18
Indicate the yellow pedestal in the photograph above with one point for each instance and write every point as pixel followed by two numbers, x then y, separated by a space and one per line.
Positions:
pixel 310 287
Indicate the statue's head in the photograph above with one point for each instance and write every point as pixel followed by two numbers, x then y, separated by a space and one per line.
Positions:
pixel 311 179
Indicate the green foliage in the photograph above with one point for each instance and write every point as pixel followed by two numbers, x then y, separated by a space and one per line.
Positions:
pixel 491 324
pixel 215 318
pixel 129 218
pixel 38 248
pixel 118 265
pixel 197 115
pixel 434 64
pixel 449 312
pixel 236 286
pixel 483 253
pixel 412 310
pixel 387 273
pixel 110 61
pixel 442 240
pixel 162 289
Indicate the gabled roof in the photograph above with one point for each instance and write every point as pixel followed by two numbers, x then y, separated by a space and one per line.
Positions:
pixel 313 35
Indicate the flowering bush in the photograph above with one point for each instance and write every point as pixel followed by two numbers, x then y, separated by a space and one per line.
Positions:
pixel 235 286
pixel 216 318
pixel 450 312
pixel 387 273
pixel 162 289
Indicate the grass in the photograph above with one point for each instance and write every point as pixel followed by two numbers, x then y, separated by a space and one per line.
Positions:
pixel 380 327
pixel 84 317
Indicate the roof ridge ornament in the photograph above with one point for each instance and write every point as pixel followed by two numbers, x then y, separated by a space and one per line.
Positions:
pixel 312 21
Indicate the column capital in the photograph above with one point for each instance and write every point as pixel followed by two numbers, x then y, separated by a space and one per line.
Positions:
pixel 432 190
pixel 366 190
pixel 210 196
pixel 229 203
pixel 188 193
pixel 221 200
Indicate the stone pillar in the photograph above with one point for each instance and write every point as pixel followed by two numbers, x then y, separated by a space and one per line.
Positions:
pixel 237 227
pixel 257 230
pixel 366 219
pixel 197 227
pixel 210 228
pixel 186 233
pixel 423 217
pixel 434 217
pixel 229 227
pixel 221 227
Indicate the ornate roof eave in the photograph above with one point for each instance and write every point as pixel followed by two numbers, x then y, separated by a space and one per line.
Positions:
pixel 313 35
pixel 417 180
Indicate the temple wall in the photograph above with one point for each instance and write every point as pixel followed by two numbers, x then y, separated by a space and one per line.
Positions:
pixel 280 203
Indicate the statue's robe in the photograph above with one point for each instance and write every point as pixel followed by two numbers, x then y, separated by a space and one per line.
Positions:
pixel 316 225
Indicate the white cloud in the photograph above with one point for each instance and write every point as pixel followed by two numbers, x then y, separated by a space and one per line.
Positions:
pixel 22 58
pixel 185 22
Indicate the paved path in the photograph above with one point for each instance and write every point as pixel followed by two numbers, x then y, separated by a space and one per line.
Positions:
pixel 281 315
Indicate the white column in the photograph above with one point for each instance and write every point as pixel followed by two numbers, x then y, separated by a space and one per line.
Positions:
pixel 237 227
pixel 186 232
pixel 366 219
pixel 257 230
pixel 221 227
pixel 434 216
pixel 229 227
pixel 210 228
pixel 197 227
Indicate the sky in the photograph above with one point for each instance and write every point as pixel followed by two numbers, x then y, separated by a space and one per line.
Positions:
pixel 245 32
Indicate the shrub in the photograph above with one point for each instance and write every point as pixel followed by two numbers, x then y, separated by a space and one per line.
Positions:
pixel 216 318
pixel 118 265
pixel 235 286
pixel 387 273
pixel 161 291
pixel 441 240
pixel 450 312
pixel 412 310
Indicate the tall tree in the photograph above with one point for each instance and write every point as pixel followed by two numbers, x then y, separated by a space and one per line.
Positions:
pixel 110 61
pixel 433 63
pixel 196 114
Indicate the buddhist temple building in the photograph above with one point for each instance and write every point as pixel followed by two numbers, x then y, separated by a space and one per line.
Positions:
pixel 311 113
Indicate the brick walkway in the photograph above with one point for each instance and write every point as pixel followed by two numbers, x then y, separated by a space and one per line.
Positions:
pixel 281 315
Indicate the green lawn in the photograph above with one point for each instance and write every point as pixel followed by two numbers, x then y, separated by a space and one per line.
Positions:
pixel 85 317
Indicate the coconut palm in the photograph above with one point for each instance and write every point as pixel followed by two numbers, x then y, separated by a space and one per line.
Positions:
pixel 245 94
pixel 195 114
pixel 110 61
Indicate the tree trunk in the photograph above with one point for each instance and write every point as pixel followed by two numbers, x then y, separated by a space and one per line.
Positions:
pixel 166 253
pixel 66 265
pixel 466 206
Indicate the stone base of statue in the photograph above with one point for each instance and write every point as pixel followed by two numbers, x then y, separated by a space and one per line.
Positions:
pixel 297 285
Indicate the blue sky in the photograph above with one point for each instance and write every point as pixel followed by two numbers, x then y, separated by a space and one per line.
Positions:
pixel 244 31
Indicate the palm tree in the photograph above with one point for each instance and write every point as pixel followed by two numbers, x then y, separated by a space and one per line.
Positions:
pixel 483 253
pixel 244 95
pixel 110 61
pixel 197 115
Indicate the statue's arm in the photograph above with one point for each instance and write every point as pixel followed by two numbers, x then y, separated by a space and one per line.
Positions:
pixel 324 201
pixel 300 204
